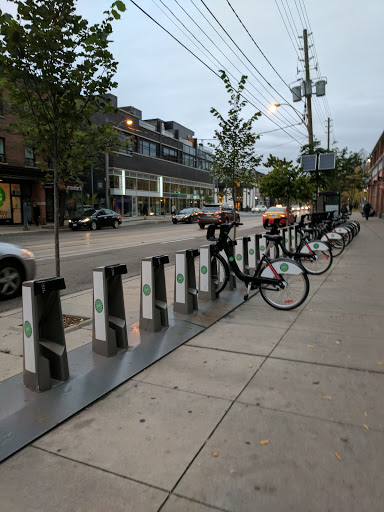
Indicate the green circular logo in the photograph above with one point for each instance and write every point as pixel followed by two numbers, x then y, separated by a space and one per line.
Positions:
pixel 283 267
pixel 146 289
pixel 2 197
pixel 99 305
pixel 262 248
pixel 180 278
pixel 28 329
pixel 239 257
pixel 231 258
pixel 316 246
pixel 251 252
pixel 204 269
pixel 332 235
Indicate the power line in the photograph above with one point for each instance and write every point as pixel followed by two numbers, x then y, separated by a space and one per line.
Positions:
pixel 206 65
pixel 257 46
pixel 228 72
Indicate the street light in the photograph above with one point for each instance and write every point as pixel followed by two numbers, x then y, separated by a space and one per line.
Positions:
pixel 274 106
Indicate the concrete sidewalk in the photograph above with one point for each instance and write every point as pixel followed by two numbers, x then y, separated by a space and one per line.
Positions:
pixel 265 410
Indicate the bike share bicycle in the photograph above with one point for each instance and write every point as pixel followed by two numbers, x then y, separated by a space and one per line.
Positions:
pixel 283 282
pixel 315 255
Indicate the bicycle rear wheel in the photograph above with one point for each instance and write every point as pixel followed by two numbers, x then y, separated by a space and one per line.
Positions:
pixel 322 262
pixel 293 294
pixel 220 269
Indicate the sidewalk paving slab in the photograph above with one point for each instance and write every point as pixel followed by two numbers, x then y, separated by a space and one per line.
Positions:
pixel 285 433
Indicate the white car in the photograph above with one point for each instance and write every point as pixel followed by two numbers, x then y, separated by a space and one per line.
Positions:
pixel 259 208
pixel 16 265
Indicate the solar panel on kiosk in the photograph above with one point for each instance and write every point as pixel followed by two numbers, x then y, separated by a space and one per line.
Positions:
pixel 327 161
pixel 308 162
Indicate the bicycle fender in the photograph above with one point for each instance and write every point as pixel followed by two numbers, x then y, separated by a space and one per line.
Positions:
pixel 316 245
pixel 341 230
pixel 283 266
pixel 331 235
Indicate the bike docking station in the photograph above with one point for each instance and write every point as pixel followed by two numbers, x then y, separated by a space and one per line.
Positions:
pixel 185 282
pixel 292 238
pixel 109 332
pixel 45 353
pixel 93 373
pixel 153 297
pixel 232 277
pixel 207 274
pixel 241 254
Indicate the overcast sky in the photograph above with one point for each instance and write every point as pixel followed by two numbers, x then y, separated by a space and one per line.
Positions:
pixel 161 78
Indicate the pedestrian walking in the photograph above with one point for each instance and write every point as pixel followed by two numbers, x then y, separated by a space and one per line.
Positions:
pixel 350 208
pixel 367 209
pixel 344 209
pixel 173 209
pixel 145 211
pixel 36 213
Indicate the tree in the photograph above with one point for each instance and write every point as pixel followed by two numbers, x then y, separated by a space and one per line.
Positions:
pixel 285 182
pixel 56 68
pixel 234 160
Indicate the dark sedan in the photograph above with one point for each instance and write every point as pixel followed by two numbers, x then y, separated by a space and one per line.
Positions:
pixel 186 215
pixel 95 219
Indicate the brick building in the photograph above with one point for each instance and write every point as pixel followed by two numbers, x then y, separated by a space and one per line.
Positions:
pixel 375 177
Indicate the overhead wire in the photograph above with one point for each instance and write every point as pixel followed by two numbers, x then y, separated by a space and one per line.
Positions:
pixel 205 64
pixel 220 64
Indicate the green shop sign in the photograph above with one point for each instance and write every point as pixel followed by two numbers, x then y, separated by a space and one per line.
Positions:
pixel 2 197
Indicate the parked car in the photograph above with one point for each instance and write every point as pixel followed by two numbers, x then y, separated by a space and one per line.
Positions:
pixel 295 208
pixel 219 213
pixel 277 212
pixel 259 208
pixel 186 215
pixel 16 265
pixel 95 219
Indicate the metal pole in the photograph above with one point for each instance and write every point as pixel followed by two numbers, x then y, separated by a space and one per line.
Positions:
pixel 329 123
pixel 93 201
pixel 107 180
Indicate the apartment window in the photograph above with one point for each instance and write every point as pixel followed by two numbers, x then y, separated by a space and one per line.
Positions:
pixel 29 156
pixel 169 154
pixel 148 148
pixel 114 182
pixel 2 150
pixel 130 183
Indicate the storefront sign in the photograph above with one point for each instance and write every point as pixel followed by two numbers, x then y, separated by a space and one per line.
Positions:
pixel 73 187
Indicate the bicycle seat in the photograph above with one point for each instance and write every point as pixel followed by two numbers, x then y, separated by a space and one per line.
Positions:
pixel 273 238
pixel 307 230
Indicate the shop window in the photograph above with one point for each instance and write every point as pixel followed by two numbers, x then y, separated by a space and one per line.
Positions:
pixel 2 150
pixel 29 156
pixel 153 186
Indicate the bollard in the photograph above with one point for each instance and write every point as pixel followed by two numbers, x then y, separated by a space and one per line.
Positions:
pixel 109 333
pixel 292 238
pixel 208 274
pixel 252 253
pixel 185 282
pixel 45 353
pixel 153 301
pixel 241 254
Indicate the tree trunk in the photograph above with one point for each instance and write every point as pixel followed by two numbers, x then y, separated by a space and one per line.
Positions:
pixel 56 217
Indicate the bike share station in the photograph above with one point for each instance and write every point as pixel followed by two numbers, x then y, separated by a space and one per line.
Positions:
pixel 56 385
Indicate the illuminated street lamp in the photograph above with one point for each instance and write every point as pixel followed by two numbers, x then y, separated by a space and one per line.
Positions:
pixel 274 106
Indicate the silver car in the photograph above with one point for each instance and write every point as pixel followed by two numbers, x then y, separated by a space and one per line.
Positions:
pixel 16 265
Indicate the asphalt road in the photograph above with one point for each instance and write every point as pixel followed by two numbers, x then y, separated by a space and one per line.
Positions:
pixel 82 251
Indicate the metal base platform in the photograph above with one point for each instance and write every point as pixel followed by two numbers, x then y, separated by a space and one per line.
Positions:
pixel 26 415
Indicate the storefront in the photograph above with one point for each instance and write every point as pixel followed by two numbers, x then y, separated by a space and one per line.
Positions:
pixel 134 194
pixel 10 203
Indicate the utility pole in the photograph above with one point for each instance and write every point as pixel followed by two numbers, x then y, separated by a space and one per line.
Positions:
pixel 308 90
pixel 329 130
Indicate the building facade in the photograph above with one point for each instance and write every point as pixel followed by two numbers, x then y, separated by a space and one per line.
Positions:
pixel 375 181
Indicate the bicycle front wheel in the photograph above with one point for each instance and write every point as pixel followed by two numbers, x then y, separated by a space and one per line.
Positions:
pixel 293 294
pixel 220 270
